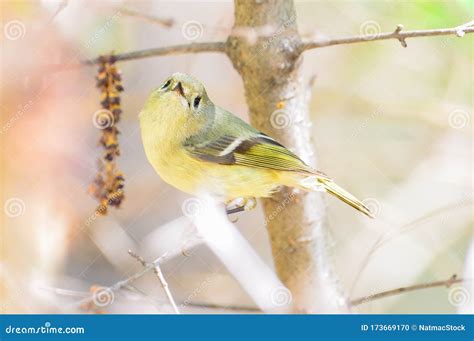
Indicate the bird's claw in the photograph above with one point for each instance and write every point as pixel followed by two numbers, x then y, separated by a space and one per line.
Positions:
pixel 241 204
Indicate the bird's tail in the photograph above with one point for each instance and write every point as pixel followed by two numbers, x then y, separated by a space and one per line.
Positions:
pixel 345 196
pixel 320 182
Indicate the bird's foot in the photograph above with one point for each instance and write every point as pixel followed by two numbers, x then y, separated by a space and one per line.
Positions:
pixel 240 205
pixel 250 204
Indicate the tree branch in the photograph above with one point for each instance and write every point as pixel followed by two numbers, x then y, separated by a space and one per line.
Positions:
pixel 159 274
pixel 221 47
pixel 165 51
pixel 444 283
pixel 164 22
pixel 126 282
pixel 246 309
pixel 397 34
pixel 278 102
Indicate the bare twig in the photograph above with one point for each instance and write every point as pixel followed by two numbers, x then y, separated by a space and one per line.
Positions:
pixel 138 258
pixel 245 309
pixel 231 308
pixel 164 22
pixel 165 51
pixel 154 52
pixel 444 283
pixel 394 233
pixel 164 284
pixel 159 274
pixel 398 34
pixel 129 280
pixel 61 6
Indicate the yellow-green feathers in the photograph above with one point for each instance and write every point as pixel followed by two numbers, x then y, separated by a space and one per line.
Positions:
pixel 200 148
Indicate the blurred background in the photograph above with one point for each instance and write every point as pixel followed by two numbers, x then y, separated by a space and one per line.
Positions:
pixel 392 125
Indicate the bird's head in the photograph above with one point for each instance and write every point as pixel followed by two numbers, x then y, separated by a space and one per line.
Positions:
pixel 181 102
pixel 191 92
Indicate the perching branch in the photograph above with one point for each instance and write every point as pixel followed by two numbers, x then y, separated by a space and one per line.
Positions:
pixel 398 34
pixel 445 283
pixel 274 87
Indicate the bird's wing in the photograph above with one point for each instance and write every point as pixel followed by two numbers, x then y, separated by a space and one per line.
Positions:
pixel 231 141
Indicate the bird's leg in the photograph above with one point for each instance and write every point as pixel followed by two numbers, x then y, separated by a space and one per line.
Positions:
pixel 240 205
pixel 236 209
pixel 250 204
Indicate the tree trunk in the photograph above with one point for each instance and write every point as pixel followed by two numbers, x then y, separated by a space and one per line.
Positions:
pixel 278 103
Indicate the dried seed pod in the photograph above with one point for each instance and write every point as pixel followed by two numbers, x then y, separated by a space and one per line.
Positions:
pixel 108 184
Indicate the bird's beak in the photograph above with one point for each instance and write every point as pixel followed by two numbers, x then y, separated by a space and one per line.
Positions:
pixel 179 89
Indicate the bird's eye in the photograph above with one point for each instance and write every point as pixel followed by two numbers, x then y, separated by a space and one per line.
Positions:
pixel 167 84
pixel 197 100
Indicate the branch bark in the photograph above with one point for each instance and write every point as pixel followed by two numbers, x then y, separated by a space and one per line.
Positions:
pixel 445 283
pixel 270 69
pixel 165 51
pixel 161 278
pixel 398 34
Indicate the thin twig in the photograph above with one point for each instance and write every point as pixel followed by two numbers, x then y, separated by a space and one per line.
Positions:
pixel 164 284
pixel 164 22
pixel 154 52
pixel 165 51
pixel 66 292
pixel 61 6
pixel 138 258
pixel 126 282
pixel 398 34
pixel 444 283
pixel 242 309
pixel 231 308
pixel 159 274
pixel 396 232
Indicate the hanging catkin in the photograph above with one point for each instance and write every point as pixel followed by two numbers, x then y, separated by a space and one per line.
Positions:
pixel 109 181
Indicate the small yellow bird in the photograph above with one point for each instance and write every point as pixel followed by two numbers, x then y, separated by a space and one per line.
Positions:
pixel 201 148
